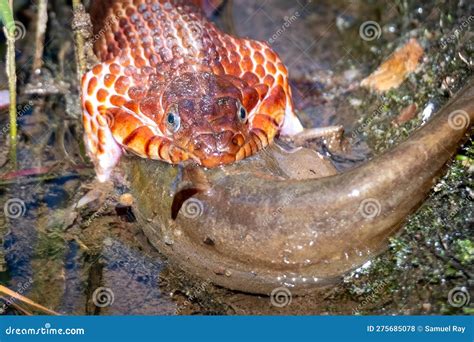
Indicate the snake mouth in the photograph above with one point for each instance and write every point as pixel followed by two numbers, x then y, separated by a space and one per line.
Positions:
pixel 217 160
pixel 214 149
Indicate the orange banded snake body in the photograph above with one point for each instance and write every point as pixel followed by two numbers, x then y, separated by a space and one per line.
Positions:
pixel 173 87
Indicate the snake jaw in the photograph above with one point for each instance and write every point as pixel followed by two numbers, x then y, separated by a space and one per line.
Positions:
pixel 214 161
pixel 215 149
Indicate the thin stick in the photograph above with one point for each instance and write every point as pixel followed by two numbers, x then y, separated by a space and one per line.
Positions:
pixel 41 23
pixel 79 39
pixel 11 72
pixel 7 292
pixel 16 306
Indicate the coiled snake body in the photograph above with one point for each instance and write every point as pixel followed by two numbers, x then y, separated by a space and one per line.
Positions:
pixel 173 87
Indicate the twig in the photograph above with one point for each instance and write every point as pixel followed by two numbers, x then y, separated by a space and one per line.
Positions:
pixel 82 28
pixel 41 23
pixel 80 58
pixel 17 306
pixel 22 299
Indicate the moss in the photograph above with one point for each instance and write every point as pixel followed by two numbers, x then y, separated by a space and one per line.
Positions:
pixel 432 256
pixel 464 251
pixel 435 251
pixel 442 72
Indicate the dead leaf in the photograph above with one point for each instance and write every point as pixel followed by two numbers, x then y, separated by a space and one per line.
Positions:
pixel 22 299
pixel 406 114
pixel 391 73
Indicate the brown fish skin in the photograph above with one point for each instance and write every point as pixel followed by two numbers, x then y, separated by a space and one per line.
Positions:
pixel 302 234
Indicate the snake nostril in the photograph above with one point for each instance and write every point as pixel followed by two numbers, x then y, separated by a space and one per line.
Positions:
pixel 206 143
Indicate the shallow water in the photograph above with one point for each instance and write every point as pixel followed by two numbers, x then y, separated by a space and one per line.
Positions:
pixel 95 260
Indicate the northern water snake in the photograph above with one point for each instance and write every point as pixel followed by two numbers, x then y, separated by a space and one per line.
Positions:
pixel 173 87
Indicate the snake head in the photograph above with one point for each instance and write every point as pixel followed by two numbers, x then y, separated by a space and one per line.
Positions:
pixel 207 116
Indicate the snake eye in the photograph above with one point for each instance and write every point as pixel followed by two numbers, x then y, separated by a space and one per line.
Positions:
pixel 173 122
pixel 242 113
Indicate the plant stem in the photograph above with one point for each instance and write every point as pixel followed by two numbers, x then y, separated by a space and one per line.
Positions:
pixel 41 24
pixel 6 16
pixel 11 72
pixel 79 42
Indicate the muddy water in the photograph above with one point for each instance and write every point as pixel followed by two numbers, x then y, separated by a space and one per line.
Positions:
pixel 95 260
